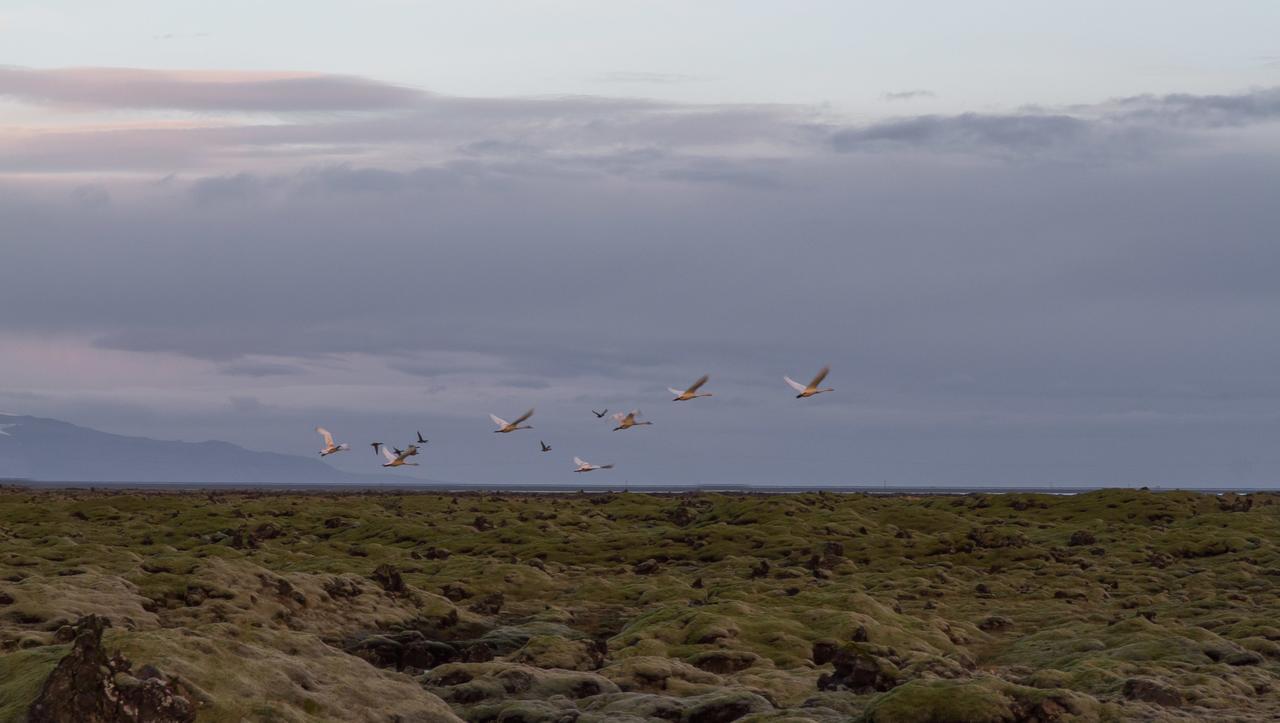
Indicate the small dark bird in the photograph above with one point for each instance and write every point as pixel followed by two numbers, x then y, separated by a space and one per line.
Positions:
pixel 377 447
pixel 398 450
pixel 545 447
pixel 420 439
pixel 599 415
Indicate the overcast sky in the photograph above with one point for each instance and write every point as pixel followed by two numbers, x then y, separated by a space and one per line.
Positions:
pixel 1037 245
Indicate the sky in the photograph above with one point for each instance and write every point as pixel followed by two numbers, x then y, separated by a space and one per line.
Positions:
pixel 1037 244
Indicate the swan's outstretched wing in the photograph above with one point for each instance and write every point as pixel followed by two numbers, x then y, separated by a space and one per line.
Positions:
pixel 328 438
pixel 620 417
pixel 498 420
pixel 794 384
pixel 701 380
pixel 391 457
pixel 674 391
pixel 578 461
pixel 523 417
pixel 821 375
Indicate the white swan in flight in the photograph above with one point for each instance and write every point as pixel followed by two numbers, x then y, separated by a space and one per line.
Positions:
pixel 628 420
pixel 398 460
pixel 585 466
pixel 504 426
pixel 812 388
pixel 329 446
pixel 692 391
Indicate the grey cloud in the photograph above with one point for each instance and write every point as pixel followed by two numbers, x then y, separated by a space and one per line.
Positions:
pixel 573 134
pixel 248 368
pixel 747 174
pixel 1030 321
pixel 969 131
pixel 135 88
pixel 91 194
pixel 1211 111
pixel 179 36
pixel 986 322
pixel 245 404
pixel 908 95
pixel 1119 128
pixel 622 76
pixel 239 187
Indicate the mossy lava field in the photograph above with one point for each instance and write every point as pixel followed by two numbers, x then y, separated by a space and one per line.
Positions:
pixel 702 608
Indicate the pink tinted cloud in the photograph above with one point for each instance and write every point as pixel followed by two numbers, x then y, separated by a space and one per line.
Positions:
pixel 223 90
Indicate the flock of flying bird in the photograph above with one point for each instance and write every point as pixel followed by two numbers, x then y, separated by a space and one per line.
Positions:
pixel 399 457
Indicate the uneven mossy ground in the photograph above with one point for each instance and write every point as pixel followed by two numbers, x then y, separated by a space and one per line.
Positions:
pixel 1113 605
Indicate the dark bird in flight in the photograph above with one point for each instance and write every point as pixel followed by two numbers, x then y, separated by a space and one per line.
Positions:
pixel 420 439
pixel 545 447
pixel 377 447
pixel 599 415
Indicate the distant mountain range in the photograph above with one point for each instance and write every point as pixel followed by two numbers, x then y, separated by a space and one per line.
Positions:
pixel 39 449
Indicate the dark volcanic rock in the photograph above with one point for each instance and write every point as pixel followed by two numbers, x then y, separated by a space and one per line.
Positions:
pixel 648 567
pixel 1152 691
pixel 341 587
pixel 1080 538
pixel 995 622
pixel 725 707
pixel 1235 503
pixel 490 604
pixel 455 591
pixel 89 687
pixel 267 531
pixel 724 662
pixel 389 578
pixel 861 668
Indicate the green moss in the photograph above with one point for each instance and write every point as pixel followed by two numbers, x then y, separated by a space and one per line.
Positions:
pixel 940 701
pixel 22 673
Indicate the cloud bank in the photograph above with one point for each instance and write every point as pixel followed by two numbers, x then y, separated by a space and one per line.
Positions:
pixel 1036 295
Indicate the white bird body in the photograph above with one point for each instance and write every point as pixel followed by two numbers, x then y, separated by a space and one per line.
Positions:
pixel 504 426
pixel 812 387
pixel 585 466
pixel 628 420
pixel 692 391
pixel 398 460
pixel 329 446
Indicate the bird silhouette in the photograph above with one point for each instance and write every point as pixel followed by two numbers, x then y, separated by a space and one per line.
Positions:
pixel 545 447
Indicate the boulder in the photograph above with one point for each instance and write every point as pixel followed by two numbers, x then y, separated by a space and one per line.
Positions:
pixel 89 687
pixel 1152 691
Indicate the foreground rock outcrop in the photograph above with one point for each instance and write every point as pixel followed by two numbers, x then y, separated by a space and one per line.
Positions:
pixel 87 686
